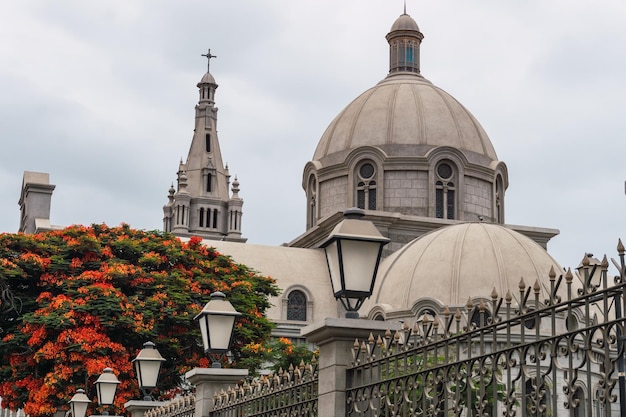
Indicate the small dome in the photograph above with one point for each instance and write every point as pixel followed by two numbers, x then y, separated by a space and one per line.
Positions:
pixel 405 109
pixel 460 261
pixel 207 78
pixel 404 22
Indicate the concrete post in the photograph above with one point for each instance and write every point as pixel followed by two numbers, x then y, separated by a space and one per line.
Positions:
pixel 136 408
pixel 335 339
pixel 208 382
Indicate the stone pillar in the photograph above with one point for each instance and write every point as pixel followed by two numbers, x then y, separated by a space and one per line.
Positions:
pixel 208 382
pixel 136 408
pixel 335 339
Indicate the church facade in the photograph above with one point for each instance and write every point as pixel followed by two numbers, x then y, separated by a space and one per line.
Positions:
pixel 424 171
pixel 406 152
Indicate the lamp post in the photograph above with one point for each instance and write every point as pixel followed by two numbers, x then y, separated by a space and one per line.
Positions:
pixel 147 366
pixel 353 252
pixel 79 403
pixel 106 386
pixel 217 322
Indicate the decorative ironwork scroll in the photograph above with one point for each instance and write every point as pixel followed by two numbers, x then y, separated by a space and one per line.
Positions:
pixel 534 357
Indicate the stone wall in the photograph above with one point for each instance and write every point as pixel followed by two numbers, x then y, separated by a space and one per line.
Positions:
pixel 406 192
pixel 478 200
pixel 333 196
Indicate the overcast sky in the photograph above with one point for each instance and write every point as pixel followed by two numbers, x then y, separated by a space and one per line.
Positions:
pixel 101 95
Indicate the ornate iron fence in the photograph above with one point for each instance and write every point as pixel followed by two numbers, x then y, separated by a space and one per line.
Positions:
pixel 530 358
pixel 291 393
pixel 179 407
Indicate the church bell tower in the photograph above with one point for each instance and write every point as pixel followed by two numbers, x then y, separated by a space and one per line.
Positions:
pixel 202 204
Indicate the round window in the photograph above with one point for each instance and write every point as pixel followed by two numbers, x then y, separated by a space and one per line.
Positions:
pixel 444 171
pixel 366 171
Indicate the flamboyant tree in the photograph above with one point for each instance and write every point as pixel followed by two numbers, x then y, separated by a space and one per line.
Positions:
pixel 75 301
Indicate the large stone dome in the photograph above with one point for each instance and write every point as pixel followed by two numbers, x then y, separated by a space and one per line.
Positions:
pixel 407 152
pixel 454 263
pixel 405 114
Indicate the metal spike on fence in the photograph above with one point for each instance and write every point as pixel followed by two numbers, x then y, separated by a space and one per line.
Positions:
pixel 494 294
pixel 585 261
pixel 355 351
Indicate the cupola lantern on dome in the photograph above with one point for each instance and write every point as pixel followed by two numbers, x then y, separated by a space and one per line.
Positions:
pixel 404 45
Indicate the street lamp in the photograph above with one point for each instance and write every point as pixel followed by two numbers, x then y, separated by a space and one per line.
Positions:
pixel 79 403
pixel 106 386
pixel 147 366
pixel 217 322
pixel 353 252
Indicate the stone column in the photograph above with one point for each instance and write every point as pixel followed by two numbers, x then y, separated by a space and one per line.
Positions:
pixel 208 382
pixel 335 339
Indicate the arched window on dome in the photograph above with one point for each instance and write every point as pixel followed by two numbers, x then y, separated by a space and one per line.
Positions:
pixel 598 402
pixel 445 191
pixel 296 306
pixel 366 186
pixel 499 200
pixel 579 396
pixel 311 218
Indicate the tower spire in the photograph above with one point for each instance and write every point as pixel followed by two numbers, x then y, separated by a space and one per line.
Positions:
pixel 404 13
pixel 203 206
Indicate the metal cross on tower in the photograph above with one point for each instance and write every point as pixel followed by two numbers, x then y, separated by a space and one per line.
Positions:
pixel 208 57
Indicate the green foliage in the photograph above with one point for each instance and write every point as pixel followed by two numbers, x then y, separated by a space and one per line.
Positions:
pixel 276 354
pixel 78 300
